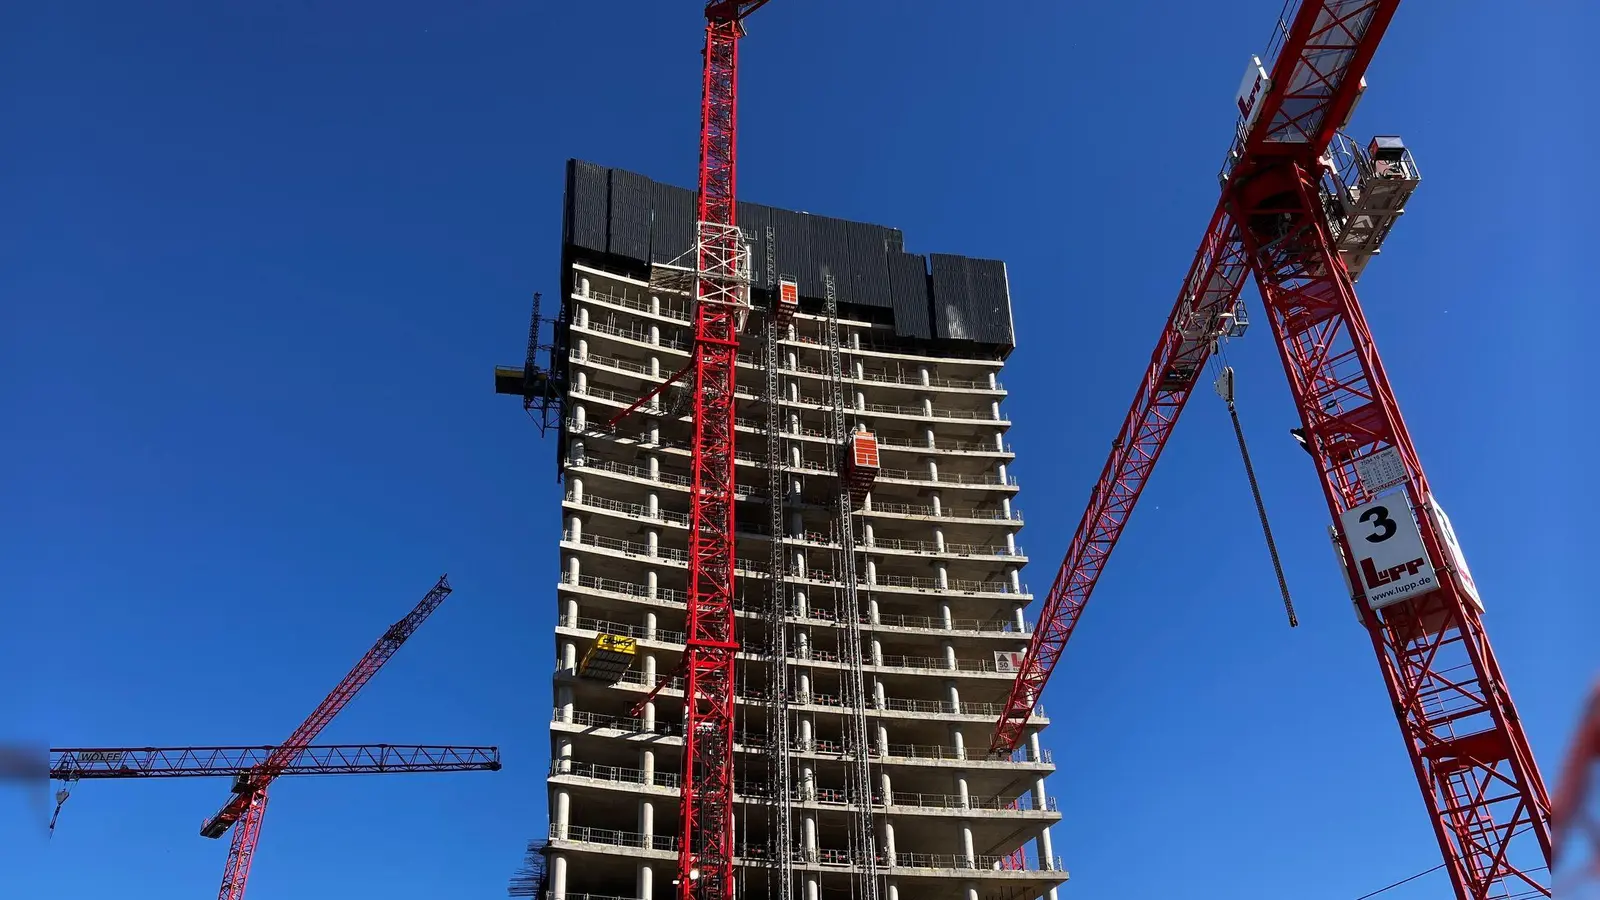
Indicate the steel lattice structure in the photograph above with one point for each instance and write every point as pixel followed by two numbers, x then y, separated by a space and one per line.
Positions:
pixel 722 280
pixel 1483 791
pixel 87 763
pixel 248 804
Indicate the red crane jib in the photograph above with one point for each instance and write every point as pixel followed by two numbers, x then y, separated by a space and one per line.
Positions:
pixel 87 763
pixel 249 801
pixel 1485 797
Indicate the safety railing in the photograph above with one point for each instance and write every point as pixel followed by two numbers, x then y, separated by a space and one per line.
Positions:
pixel 583 834
pixel 949 548
pixel 982 479
pixel 917 509
pixel 951 446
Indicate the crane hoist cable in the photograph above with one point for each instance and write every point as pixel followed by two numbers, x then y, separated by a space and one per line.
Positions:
pixel 1224 385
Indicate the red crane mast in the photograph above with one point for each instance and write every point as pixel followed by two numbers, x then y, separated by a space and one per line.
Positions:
pixel 249 801
pixel 722 280
pixel 1484 794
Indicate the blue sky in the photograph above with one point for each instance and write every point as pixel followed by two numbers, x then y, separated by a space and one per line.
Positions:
pixel 258 260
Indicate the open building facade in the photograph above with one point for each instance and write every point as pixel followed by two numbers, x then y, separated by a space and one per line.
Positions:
pixel 907 354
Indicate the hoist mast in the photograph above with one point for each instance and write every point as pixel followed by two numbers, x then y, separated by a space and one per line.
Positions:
pixel 1301 223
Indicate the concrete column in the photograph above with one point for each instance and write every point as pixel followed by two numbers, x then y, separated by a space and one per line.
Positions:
pixel 791 362
pixel 571 612
pixel 561 816
pixel 581 351
pixel 962 791
pixel 872 611
pixel 581 383
pixel 933 469
pixel 651 584
pixel 927 436
pixel 805 737
pixel 809 829
pixel 855 340
pixel 647 820
pixel 1000 441
pixel 558 876
pixel 938 539
pixel 953 694
pixel 872 572
pixel 655 334
pixel 879 700
pixel 923 376
pixel 1011 543
pixel 1042 848
pixel 927 406
pixel 936 501
pixel 802 643
pixel 800 607
pixel 802 687
pixel 655 372
pixel 649 711
pixel 1014 576
pixel 966 844
pixel 950 655
pixel 891 890
pixel 993 384
pixel 650 626
pixel 812 892
pixel 647 765
pixel 652 432
pixel 861 401
pixel 941 574
pixel 564 702
pixel 1035 752
pixel 652 465
pixel 883 740
pixel 947 620
pixel 577 454
pixel 574 569
pixel 583 287
pixel 575 488
pixel 652 505
pixel 969 891
pixel 887 787
pixel 575 528
pixel 877 652
pixel 888 841
pixel 563 761
pixel 1005 506
pixel 1000 473
pixel 645 882
pixel 1019 618
pixel 793 391
pixel 580 416
pixel 655 305
pixel 958 741
pixel 569 657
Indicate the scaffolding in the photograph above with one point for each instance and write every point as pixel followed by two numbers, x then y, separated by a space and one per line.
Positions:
pixel 779 801
pixel 863 852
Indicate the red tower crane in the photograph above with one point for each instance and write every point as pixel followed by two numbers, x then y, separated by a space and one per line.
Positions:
pixel 721 306
pixel 1303 226
pixel 1575 817
pixel 249 801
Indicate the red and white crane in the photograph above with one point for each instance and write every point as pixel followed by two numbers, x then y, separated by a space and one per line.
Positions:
pixel 1302 210
pixel 249 801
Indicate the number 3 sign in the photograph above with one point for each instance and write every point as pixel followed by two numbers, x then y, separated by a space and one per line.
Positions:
pixel 1391 562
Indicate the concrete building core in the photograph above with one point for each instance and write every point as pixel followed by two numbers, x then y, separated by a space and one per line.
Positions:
pixel 942 607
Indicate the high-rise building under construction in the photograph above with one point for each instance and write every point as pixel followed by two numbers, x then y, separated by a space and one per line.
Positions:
pixel 879 631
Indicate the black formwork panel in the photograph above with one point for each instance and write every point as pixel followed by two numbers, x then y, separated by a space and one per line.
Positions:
pixel 793 234
pixel 908 295
pixel 672 225
pixel 867 262
pixel 990 299
pixel 587 205
pixel 830 250
pixel 628 226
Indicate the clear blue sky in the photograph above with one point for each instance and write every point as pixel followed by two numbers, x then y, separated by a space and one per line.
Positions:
pixel 257 261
